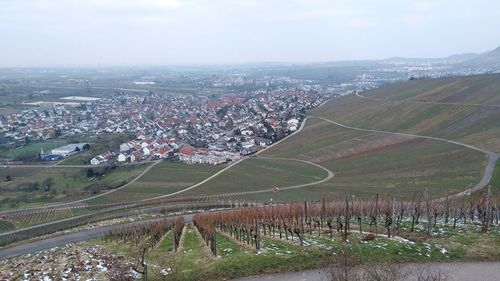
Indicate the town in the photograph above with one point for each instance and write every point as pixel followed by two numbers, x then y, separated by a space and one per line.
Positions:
pixel 196 129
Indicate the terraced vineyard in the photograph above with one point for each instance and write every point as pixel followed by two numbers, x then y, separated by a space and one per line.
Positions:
pixel 298 236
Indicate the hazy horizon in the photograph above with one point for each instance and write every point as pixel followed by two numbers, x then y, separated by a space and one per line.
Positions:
pixel 37 33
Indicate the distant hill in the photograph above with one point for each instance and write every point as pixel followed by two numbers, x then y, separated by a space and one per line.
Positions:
pixel 486 60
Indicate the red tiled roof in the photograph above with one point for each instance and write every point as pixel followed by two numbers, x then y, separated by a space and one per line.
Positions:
pixel 187 150
pixel 164 150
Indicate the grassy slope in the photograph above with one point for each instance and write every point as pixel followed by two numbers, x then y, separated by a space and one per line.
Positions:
pixel 258 174
pixel 392 108
pixel 164 178
pixel 367 163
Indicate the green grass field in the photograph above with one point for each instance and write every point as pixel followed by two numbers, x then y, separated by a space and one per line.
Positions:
pixel 495 181
pixel 258 174
pixel 164 178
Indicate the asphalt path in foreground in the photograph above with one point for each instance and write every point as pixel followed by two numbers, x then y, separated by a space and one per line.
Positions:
pixel 74 237
pixel 456 271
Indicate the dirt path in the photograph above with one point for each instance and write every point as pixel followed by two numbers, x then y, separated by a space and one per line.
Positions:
pixel 488 171
pixel 459 271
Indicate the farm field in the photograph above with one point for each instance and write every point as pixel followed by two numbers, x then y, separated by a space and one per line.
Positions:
pixel 164 178
pixel 452 108
pixel 30 186
pixel 255 174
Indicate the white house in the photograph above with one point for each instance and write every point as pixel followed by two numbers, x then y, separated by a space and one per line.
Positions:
pixel 97 160
pixel 122 157
pixel 103 158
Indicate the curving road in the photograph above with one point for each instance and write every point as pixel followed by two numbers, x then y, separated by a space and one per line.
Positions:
pixel 488 171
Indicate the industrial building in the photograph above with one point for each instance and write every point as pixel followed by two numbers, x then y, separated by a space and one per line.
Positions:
pixel 67 150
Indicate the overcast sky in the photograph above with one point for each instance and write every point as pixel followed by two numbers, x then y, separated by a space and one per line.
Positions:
pixel 124 32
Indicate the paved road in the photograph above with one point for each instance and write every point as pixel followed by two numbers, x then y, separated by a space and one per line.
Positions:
pixel 488 171
pixel 460 271
pixel 31 247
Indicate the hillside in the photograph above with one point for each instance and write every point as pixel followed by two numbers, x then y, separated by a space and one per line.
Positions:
pixel 365 162
pixel 465 109
pixel 486 60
